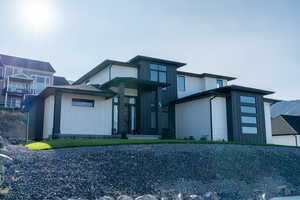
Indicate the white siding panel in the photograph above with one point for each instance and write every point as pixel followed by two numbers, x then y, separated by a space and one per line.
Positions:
pixel 86 120
pixel 122 71
pixel 192 85
pixel 101 77
pixel 48 116
pixel 193 119
pixel 268 124
pixel 285 140
pixel 219 119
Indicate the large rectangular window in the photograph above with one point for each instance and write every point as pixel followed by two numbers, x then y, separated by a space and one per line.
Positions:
pixel 249 130
pixel 248 120
pixel 83 102
pixel 181 83
pixel 247 99
pixel 248 109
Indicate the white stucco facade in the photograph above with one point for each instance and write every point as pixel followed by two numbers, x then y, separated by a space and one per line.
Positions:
pixel 192 85
pixel 81 120
pixel 123 71
pixel 219 119
pixel 289 140
pixel 195 85
pixel 268 125
pixel 193 119
pixel 112 72
pixel 101 77
pixel 48 116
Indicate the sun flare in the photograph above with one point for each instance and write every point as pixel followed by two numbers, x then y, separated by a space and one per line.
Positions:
pixel 38 15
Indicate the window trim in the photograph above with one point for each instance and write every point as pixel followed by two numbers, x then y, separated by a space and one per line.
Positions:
pixel 184 88
pixel 217 82
pixel 92 105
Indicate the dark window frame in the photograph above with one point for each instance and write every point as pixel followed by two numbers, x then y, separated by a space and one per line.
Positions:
pixel 89 102
pixel 158 69
pixel 250 104
pixel 218 81
pixel 178 83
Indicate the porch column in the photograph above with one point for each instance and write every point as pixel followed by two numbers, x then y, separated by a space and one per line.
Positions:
pixel 159 106
pixel 57 115
pixel 121 117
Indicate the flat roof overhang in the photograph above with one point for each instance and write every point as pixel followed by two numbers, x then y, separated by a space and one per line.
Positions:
pixel 52 90
pixel 133 83
pixel 223 91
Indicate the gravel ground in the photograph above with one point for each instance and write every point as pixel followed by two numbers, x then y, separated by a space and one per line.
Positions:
pixel 233 171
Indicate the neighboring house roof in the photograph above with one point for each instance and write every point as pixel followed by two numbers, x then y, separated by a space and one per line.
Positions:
pixel 293 121
pixel 157 60
pixel 77 89
pixel 223 91
pixel 206 75
pixel 59 80
pixel 26 63
pixel 99 68
pixel 286 108
pixel 285 125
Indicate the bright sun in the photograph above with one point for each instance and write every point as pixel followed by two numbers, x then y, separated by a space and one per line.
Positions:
pixel 38 15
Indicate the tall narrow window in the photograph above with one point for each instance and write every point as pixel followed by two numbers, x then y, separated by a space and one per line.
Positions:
pixel 219 83
pixel 181 83
pixel 153 120
pixel 1 72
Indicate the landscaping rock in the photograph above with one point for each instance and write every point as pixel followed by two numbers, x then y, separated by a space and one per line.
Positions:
pixel 124 197
pixel 146 197
pixel 229 172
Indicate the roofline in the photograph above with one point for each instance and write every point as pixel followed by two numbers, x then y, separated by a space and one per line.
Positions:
pixel 272 101
pixel 101 67
pixel 158 60
pixel 285 134
pixel 223 91
pixel 52 69
pixel 206 75
pixel 52 90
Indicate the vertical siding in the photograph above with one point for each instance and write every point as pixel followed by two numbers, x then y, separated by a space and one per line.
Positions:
pixel 147 97
pixel 48 116
pixel 235 119
pixel 267 109
pixel 219 119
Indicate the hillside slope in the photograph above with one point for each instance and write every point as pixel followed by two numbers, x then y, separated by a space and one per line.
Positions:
pixel 286 108
pixel 233 171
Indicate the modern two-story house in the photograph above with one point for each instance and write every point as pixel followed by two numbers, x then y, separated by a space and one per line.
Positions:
pixel 149 97
pixel 22 77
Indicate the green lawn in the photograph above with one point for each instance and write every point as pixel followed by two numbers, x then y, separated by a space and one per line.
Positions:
pixel 65 143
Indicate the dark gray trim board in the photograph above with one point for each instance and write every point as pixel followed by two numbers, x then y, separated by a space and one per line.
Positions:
pixel 57 115
pixel 206 75
pixel 222 91
pixel 139 58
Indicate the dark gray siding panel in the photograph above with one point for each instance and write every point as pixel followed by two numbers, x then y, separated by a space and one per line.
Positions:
pixel 36 120
pixel 146 98
pixel 57 114
pixel 234 119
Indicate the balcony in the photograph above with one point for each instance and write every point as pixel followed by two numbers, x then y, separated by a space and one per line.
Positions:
pixel 19 91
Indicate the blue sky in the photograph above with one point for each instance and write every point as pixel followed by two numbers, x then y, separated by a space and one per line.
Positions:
pixel 256 41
